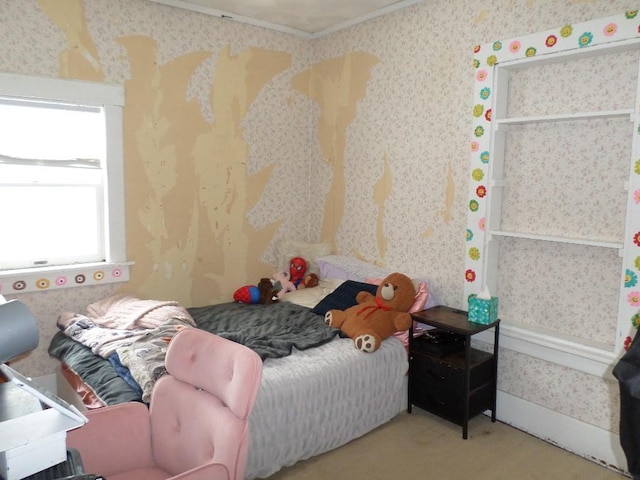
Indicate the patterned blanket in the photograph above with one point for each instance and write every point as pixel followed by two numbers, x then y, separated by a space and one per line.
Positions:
pixel 129 332
pixel 120 320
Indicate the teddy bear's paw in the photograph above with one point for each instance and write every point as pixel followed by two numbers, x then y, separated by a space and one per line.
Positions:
pixel 328 318
pixel 365 343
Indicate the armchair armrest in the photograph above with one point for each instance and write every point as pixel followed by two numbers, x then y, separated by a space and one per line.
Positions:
pixel 83 476
pixel 119 432
pixel 212 471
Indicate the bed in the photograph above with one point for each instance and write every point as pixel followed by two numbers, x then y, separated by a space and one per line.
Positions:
pixel 317 393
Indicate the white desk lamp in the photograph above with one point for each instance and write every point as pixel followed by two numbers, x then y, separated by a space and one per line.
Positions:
pixel 18 330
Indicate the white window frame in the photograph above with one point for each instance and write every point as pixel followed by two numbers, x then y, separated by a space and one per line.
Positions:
pixel 109 97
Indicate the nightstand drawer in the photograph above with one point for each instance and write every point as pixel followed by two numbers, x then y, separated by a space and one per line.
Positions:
pixel 440 402
pixel 441 373
pixel 433 374
pixel 449 404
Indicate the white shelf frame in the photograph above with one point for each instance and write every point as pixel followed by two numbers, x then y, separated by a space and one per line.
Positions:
pixel 566 117
pixel 558 239
pixel 584 355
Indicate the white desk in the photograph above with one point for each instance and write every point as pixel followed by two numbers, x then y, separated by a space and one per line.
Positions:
pixel 31 439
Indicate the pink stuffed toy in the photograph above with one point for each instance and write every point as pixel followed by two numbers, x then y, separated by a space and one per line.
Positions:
pixel 282 278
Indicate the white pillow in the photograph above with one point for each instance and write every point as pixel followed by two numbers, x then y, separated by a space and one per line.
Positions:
pixel 310 297
pixel 348 268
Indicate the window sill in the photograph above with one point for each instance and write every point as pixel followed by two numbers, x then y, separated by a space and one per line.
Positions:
pixel 63 276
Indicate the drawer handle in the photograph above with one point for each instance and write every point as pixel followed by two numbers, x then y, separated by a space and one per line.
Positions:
pixel 433 374
pixel 439 402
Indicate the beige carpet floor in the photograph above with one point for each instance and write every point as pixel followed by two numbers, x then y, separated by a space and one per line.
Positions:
pixel 422 446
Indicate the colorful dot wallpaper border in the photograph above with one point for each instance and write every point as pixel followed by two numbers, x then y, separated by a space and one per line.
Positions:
pixel 564 39
pixel 82 275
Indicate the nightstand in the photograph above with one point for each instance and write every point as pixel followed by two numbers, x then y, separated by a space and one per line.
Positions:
pixel 459 384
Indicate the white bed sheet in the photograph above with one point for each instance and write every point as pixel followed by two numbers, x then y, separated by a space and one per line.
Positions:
pixel 316 400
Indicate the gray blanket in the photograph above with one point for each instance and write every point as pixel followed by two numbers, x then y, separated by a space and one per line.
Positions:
pixel 272 331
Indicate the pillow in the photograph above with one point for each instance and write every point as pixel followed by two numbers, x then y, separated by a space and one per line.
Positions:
pixel 421 299
pixel 310 297
pixel 328 270
pixel 343 297
pixel 404 338
pixel 431 299
pixel 309 251
pixel 350 268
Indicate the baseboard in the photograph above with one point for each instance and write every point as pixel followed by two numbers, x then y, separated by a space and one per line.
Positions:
pixel 588 441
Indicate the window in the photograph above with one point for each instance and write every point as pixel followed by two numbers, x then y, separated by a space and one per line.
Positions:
pixel 61 173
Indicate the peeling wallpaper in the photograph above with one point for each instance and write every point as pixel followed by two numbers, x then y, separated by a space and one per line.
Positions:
pixel 237 137
pixel 336 85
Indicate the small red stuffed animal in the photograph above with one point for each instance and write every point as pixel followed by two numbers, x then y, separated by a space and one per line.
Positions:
pixel 262 293
pixel 375 318
pixel 297 269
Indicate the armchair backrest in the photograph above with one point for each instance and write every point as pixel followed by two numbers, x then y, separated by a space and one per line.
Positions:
pixel 200 410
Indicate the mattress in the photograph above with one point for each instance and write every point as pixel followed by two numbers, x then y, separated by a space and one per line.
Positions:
pixel 316 400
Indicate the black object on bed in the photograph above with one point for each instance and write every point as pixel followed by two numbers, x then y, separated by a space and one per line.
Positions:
pixel 344 296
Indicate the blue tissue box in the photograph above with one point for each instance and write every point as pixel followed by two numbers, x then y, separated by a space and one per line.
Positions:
pixel 483 311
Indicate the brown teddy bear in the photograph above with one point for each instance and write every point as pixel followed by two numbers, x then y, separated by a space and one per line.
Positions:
pixel 375 318
pixel 267 293
pixel 310 280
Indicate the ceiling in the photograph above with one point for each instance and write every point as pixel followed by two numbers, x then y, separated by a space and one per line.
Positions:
pixel 306 18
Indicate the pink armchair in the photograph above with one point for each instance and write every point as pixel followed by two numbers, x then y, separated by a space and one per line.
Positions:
pixel 196 427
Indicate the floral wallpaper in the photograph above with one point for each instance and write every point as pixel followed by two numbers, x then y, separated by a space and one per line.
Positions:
pixel 428 83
